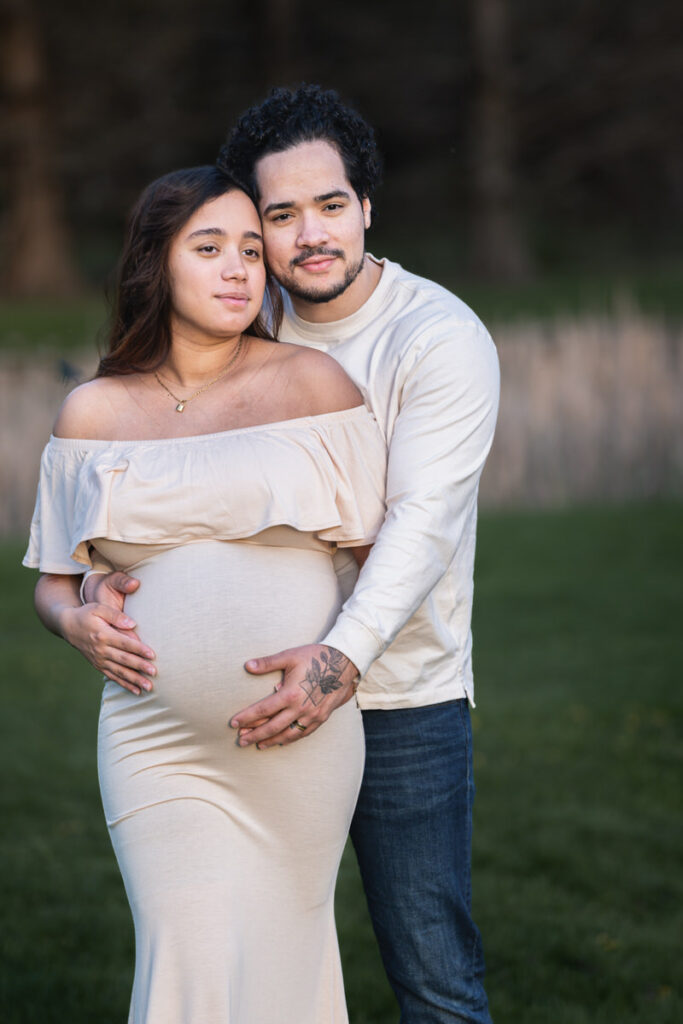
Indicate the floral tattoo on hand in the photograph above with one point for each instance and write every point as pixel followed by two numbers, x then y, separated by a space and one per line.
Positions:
pixel 323 676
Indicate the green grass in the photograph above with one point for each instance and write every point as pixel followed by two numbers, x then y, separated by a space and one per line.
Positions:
pixel 658 292
pixel 577 881
pixel 608 284
pixel 66 327
pixel 51 326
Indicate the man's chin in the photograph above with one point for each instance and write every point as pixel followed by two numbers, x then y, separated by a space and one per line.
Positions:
pixel 318 295
pixel 322 293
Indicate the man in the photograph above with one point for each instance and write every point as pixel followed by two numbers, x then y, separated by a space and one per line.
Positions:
pixel 428 369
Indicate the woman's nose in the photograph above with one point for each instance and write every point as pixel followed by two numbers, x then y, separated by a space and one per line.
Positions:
pixel 234 267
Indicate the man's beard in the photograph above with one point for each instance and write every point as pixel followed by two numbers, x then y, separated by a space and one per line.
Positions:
pixel 334 291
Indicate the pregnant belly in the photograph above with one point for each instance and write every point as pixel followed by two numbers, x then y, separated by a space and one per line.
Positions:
pixel 206 607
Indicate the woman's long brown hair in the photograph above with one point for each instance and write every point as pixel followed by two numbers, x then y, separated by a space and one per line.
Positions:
pixel 140 331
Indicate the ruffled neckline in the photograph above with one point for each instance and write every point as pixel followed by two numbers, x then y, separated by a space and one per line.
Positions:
pixel 319 474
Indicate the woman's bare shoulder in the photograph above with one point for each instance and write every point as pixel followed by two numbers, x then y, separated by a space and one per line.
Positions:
pixel 324 385
pixel 88 410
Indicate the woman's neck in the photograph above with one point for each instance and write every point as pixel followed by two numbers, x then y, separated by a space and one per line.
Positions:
pixel 190 365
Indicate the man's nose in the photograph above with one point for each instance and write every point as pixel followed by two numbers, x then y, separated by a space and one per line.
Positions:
pixel 313 231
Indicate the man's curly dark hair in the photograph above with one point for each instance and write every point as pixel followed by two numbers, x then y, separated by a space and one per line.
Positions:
pixel 285 119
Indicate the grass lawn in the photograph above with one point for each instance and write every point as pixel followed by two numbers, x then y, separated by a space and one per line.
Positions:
pixel 578 886
pixel 68 327
pixel 50 326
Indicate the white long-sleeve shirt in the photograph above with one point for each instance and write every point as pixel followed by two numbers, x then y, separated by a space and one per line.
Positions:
pixel 429 371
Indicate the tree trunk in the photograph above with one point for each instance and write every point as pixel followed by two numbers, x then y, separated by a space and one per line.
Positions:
pixel 279 27
pixel 37 258
pixel 499 247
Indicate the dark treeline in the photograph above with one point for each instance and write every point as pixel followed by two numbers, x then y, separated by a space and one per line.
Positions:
pixel 517 136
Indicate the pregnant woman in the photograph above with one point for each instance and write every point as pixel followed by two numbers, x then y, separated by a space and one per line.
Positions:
pixel 222 468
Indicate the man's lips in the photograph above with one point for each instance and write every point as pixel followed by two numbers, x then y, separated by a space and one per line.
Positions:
pixel 318 264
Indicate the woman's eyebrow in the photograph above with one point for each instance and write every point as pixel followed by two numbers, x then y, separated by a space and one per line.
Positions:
pixel 207 231
pixel 222 234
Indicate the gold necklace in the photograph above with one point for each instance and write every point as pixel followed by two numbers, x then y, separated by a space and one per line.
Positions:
pixel 182 402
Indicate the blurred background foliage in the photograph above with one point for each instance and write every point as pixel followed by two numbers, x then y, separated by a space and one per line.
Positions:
pixel 519 139
pixel 534 165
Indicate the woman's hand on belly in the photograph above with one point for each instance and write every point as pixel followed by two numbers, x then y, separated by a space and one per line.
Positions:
pixel 316 680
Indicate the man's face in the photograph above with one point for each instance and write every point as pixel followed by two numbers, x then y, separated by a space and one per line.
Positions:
pixel 313 221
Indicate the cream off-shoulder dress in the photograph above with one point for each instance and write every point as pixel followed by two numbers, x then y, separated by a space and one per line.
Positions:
pixel 229 856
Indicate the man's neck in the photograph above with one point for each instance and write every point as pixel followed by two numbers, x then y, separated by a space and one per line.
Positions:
pixel 351 300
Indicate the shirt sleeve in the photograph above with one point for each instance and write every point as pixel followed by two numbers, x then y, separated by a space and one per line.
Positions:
pixel 442 436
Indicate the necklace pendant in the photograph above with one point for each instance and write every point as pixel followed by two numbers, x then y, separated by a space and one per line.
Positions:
pixel 180 406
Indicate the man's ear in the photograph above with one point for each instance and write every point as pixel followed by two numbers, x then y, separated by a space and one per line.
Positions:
pixel 367 211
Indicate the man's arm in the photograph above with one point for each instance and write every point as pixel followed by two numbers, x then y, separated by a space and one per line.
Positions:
pixel 99 629
pixel 438 449
pixel 441 438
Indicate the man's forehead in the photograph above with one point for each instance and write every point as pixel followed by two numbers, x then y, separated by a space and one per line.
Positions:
pixel 310 168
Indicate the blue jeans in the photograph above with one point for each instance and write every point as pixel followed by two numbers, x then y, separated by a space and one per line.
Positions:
pixel 412 834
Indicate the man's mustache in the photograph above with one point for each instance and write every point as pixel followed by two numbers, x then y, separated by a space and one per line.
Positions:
pixel 320 251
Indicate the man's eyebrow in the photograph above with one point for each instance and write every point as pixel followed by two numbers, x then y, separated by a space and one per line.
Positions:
pixel 338 193
pixel 277 206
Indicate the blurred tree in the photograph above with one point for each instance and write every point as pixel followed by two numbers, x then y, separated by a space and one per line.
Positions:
pixel 600 105
pixel 279 24
pixel 38 260
pixel 499 248
pixel 557 127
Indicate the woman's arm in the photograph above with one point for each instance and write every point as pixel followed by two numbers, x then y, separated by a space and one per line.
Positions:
pixel 101 632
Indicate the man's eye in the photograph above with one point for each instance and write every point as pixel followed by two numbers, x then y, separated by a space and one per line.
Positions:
pixel 334 206
pixel 279 218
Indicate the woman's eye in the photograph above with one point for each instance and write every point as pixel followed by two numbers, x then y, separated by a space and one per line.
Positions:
pixel 208 248
pixel 253 254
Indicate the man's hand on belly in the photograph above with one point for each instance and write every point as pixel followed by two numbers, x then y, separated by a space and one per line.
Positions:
pixel 316 680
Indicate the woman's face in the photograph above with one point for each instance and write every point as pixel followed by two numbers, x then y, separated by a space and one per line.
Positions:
pixel 216 270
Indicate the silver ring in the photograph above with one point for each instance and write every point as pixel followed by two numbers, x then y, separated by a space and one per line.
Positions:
pixel 296 724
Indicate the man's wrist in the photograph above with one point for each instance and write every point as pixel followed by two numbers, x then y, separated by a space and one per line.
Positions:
pixel 350 674
pixel 356 642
